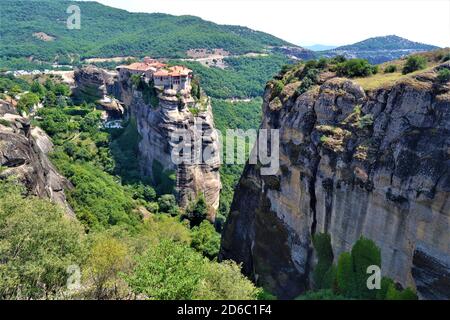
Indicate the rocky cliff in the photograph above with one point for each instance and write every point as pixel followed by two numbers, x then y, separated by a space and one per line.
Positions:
pixel 23 154
pixel 352 162
pixel 92 83
pixel 156 121
pixel 155 126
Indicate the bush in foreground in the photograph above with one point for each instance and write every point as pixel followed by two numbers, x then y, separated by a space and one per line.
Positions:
pixel 174 271
pixel 348 279
pixel 443 75
pixel 37 245
pixel 414 63
pixel 356 68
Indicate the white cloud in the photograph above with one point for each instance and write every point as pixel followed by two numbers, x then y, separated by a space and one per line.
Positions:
pixel 321 21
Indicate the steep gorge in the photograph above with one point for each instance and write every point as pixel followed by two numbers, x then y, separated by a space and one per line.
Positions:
pixel 353 163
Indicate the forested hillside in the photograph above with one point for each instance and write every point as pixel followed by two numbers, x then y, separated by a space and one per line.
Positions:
pixel 379 49
pixel 107 32
pixel 130 239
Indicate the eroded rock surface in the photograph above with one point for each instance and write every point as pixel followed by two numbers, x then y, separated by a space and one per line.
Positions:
pixel 352 163
pixel 23 154
pixel 155 125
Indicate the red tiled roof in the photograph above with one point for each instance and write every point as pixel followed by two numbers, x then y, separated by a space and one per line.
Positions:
pixel 174 71
pixel 139 66
pixel 158 64
pixel 142 66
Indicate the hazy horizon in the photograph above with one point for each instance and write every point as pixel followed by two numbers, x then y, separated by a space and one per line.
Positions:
pixel 331 23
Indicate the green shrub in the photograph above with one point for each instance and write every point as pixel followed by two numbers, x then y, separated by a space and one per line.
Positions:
pixel 37 245
pixel 322 63
pixel 349 278
pixel 173 271
pixel 153 207
pixel 443 75
pixel 167 271
pixel 394 294
pixel 355 68
pixel 108 258
pixel 414 63
pixel 385 284
pixel 38 89
pixel 338 59
pixel 365 121
pixel 224 281
pixel 408 294
pixel 98 200
pixel 324 252
pixel 364 254
pixel 266 295
pixel 27 102
pixel 206 240
pixel 278 86
pixel 390 68
pixel 197 211
pixel 309 78
pixel 374 69
pixel 446 57
pixel 167 203
pixel 5 122
pixel 345 275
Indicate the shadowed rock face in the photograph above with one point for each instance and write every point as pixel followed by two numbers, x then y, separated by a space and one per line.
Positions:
pixel 23 154
pixel 352 163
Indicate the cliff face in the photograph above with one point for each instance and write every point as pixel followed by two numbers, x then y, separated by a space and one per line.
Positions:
pixel 23 154
pixel 92 83
pixel 156 124
pixel 352 163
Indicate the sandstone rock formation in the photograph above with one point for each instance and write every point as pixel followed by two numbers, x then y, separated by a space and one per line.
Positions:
pixel 352 163
pixel 23 154
pixel 92 83
pixel 156 124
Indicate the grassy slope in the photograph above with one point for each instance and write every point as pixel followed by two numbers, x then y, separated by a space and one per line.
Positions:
pixel 385 80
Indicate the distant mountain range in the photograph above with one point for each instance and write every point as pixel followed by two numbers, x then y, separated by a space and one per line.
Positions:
pixel 379 49
pixel 111 32
pixel 319 47
pixel 107 32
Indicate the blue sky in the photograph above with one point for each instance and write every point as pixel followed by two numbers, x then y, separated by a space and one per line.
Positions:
pixel 306 22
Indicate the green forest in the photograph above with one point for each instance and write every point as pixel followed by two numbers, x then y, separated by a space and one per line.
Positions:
pixel 109 32
pixel 244 77
pixel 130 240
